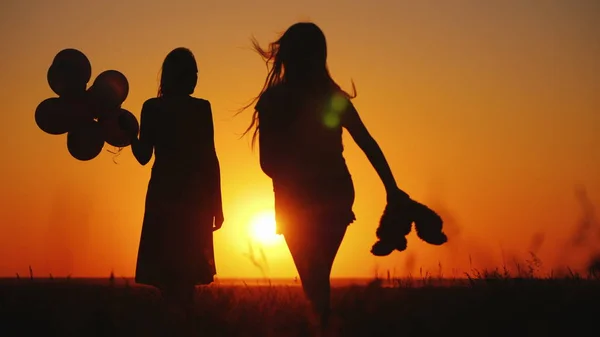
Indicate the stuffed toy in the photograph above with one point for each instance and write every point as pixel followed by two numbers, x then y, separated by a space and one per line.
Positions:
pixel 396 223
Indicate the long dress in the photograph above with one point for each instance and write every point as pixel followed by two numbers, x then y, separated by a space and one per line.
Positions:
pixel 176 245
pixel 300 135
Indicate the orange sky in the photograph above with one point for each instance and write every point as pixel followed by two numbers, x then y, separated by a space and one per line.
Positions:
pixel 487 110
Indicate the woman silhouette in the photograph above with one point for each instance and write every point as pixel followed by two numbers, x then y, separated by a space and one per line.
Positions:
pixel 298 118
pixel 183 202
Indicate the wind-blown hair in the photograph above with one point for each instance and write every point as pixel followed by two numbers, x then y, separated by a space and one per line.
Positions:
pixel 297 58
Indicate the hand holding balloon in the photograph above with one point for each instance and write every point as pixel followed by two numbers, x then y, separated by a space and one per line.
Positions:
pixel 89 117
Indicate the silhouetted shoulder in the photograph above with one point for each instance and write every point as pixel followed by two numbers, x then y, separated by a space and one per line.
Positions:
pixel 202 103
pixel 152 102
pixel 150 108
pixel 201 100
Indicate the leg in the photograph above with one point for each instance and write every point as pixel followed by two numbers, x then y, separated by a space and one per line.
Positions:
pixel 314 254
pixel 328 251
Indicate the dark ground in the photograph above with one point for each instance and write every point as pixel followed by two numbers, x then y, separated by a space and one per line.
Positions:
pixel 482 307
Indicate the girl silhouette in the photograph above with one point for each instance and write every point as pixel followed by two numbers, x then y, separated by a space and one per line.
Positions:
pixel 298 119
pixel 183 202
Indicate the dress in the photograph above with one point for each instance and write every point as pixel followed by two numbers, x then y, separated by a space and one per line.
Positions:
pixel 300 135
pixel 176 245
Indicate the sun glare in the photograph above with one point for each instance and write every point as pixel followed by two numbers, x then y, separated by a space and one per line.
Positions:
pixel 262 228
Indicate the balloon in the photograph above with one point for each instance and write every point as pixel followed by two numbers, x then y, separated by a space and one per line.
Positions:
pixel 110 89
pixel 69 73
pixel 57 116
pixel 104 113
pixel 86 142
pixel 117 130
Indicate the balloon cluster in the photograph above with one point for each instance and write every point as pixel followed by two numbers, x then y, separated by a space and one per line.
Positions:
pixel 89 116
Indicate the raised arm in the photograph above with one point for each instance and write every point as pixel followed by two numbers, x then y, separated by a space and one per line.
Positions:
pixel 143 147
pixel 362 137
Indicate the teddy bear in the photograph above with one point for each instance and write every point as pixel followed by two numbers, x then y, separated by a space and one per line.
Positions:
pixel 396 222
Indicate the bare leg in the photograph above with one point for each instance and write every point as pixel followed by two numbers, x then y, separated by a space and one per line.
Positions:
pixel 314 254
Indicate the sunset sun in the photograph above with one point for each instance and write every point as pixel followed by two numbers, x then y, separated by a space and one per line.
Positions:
pixel 262 228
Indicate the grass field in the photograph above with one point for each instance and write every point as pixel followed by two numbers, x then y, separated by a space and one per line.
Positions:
pixel 484 304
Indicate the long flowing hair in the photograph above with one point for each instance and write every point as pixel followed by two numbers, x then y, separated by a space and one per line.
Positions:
pixel 179 73
pixel 299 56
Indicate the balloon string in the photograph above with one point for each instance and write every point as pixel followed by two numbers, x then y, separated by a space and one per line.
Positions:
pixel 116 153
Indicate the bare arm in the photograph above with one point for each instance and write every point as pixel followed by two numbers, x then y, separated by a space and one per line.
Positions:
pixel 143 147
pixel 219 217
pixel 218 196
pixel 369 146
pixel 218 199
pixel 268 143
pixel 267 148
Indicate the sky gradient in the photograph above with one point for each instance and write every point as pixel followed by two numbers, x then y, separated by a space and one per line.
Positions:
pixel 489 111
